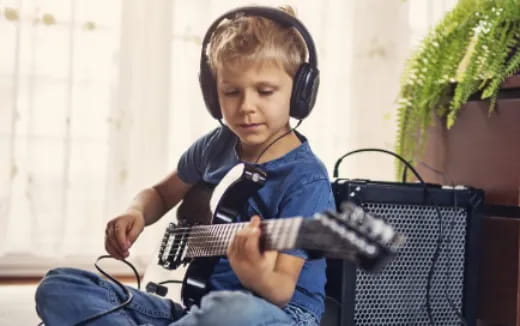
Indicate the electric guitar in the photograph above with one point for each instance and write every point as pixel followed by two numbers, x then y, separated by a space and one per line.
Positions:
pixel 351 234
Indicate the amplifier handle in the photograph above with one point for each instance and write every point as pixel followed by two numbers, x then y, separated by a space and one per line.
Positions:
pixel 405 162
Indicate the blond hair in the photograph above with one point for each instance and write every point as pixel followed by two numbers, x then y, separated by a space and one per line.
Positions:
pixel 255 39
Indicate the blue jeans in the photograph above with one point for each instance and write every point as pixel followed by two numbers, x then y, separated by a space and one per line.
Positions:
pixel 66 296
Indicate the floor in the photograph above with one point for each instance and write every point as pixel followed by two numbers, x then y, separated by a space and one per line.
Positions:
pixel 17 305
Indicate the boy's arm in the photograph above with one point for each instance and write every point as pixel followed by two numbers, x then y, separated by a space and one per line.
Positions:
pixel 155 201
pixel 270 274
pixel 168 193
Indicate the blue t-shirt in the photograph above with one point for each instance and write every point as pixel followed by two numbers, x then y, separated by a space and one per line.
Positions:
pixel 297 185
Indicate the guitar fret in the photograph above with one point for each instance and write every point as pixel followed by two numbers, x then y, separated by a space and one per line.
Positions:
pixel 282 233
pixel 287 236
pixel 294 231
pixel 273 235
pixel 268 235
pixel 276 235
pixel 290 233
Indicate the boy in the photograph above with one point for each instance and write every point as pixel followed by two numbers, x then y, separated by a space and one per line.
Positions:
pixel 249 79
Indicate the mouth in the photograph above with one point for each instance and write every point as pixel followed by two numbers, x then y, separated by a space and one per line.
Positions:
pixel 249 126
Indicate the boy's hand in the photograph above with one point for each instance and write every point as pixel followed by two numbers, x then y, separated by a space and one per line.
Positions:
pixel 122 231
pixel 245 257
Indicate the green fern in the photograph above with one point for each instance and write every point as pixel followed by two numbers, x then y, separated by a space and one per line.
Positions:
pixel 473 49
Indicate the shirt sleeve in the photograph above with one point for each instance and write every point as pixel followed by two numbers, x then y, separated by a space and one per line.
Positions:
pixel 308 199
pixel 193 161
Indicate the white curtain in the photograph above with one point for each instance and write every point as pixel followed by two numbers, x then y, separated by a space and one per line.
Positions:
pixel 99 98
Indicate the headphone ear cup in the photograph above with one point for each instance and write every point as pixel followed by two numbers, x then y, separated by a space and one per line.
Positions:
pixel 208 86
pixel 305 89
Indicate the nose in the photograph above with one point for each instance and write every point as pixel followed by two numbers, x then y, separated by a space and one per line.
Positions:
pixel 247 104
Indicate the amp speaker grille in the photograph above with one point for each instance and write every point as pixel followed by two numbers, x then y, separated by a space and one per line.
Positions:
pixel 398 295
pixel 437 222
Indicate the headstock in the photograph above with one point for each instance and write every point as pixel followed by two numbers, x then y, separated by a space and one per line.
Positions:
pixel 351 234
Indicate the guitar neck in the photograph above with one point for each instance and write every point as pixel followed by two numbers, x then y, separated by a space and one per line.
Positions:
pixel 213 240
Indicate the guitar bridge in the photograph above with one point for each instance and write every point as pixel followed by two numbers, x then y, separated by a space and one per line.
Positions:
pixel 173 248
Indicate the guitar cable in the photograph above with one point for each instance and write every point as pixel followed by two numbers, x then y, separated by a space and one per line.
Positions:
pixel 447 276
pixel 129 294
pixel 151 287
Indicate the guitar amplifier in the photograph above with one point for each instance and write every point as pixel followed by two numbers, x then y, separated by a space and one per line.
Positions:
pixel 434 276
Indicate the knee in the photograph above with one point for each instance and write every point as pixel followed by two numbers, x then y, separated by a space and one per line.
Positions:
pixel 227 304
pixel 228 298
pixel 58 283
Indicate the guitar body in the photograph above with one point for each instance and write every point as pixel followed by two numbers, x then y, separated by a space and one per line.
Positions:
pixel 233 191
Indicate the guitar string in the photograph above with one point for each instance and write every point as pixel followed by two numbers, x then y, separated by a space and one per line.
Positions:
pixel 203 235
pixel 204 229
pixel 210 231
pixel 205 226
pixel 277 235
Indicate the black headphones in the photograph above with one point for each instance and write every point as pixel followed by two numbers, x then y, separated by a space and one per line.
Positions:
pixel 306 80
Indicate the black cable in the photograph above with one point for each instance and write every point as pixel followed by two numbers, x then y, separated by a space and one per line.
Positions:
pixel 431 271
pixel 437 252
pixel 405 162
pixel 333 300
pixel 129 294
pixel 404 176
pixel 435 257
pixel 448 262
pixel 274 141
pixel 277 139
pixel 170 281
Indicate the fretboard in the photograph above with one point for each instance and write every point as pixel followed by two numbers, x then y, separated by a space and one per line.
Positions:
pixel 213 240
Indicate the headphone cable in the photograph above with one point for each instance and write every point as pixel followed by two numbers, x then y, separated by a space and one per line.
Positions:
pixel 277 139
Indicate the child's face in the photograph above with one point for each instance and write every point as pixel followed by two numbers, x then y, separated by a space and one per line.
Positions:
pixel 255 101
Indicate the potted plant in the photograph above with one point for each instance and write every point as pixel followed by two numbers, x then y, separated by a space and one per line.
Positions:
pixel 468 55
pixel 459 114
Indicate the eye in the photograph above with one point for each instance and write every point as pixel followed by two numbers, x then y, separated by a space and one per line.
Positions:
pixel 265 92
pixel 232 92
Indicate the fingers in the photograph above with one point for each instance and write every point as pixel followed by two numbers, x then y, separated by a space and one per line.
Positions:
pixel 254 222
pixel 252 244
pixel 113 251
pixel 134 232
pixel 114 240
pixel 120 236
pixel 245 243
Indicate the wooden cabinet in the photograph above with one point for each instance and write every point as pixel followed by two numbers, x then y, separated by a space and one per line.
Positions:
pixel 499 290
pixel 483 150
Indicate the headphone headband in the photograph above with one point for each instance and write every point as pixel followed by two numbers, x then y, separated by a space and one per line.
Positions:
pixel 306 81
pixel 271 13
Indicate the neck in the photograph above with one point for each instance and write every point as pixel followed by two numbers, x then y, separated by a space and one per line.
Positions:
pixel 271 150
pixel 213 240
